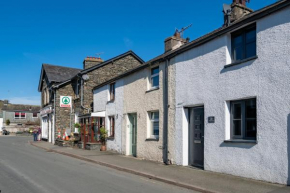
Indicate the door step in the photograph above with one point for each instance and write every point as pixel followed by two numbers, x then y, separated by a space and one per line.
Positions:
pixel 93 146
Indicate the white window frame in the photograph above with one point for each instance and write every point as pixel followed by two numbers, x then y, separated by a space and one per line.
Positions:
pixel 112 134
pixel 151 123
pixel 19 116
pixel 152 76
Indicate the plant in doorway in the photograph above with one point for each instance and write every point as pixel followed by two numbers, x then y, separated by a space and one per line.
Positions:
pixel 103 138
pixel 78 126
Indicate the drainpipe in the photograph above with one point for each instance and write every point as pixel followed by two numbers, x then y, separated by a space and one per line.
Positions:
pixel 165 116
pixel 54 115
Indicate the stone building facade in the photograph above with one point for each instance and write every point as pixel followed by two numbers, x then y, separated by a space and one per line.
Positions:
pixel 98 74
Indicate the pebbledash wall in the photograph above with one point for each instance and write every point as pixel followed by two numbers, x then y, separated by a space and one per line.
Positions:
pixel 111 108
pixel 201 79
pixel 138 98
pixel 133 95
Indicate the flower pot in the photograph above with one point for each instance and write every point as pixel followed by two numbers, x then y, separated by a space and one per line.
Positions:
pixel 103 148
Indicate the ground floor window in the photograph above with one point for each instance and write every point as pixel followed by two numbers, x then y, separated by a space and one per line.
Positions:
pixel 19 115
pixel 154 124
pixel 35 115
pixel 244 119
pixel 112 126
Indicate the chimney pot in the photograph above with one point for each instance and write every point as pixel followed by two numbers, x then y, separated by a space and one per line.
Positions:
pixel 174 42
pixel 91 61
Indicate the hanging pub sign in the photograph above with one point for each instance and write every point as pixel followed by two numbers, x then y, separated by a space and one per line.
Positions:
pixel 65 101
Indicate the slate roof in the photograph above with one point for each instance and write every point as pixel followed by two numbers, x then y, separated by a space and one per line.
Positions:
pixel 19 107
pixel 59 73
pixel 56 74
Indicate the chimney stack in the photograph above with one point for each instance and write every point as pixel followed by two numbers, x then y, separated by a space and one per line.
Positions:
pixel 239 9
pixel 91 61
pixel 174 42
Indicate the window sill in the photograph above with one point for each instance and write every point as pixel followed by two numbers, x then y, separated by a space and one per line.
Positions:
pixel 111 138
pixel 152 89
pixel 152 139
pixel 240 141
pixel 241 61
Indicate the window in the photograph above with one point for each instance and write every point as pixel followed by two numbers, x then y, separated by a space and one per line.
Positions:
pixel 112 91
pixel 154 124
pixel 19 115
pixel 154 79
pixel 244 43
pixel 112 126
pixel 244 119
pixel 35 115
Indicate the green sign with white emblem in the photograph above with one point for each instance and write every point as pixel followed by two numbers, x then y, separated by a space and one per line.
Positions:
pixel 65 101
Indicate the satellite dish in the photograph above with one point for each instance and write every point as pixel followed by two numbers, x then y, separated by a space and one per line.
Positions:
pixel 227 9
pixel 85 77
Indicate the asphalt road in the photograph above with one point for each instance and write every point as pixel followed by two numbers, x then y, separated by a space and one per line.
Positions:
pixel 27 169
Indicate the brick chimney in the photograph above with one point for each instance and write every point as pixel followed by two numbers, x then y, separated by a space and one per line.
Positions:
pixel 174 42
pixel 91 61
pixel 239 9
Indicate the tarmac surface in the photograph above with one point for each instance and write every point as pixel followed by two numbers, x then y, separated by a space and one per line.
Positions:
pixel 93 171
pixel 28 169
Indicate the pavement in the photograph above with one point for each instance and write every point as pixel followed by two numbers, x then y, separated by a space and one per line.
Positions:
pixel 28 169
pixel 186 177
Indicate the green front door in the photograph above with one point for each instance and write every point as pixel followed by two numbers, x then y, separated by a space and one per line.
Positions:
pixel 133 134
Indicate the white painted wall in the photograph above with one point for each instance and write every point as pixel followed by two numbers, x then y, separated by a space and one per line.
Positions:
pixel 1 124
pixel 44 127
pixel 202 79
pixel 115 108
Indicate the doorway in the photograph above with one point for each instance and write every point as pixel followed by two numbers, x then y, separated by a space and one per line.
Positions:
pixel 196 137
pixel 133 134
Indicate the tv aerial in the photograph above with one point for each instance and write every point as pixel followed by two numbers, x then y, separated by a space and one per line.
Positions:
pixel 99 54
pixel 227 12
pixel 182 30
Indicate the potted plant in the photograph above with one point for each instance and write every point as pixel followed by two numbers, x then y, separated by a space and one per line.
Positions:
pixel 103 138
pixel 7 122
pixel 78 126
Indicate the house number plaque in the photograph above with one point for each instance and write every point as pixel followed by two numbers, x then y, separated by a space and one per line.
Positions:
pixel 211 119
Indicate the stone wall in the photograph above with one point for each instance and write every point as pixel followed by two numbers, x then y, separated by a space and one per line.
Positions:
pixel 63 114
pixel 101 75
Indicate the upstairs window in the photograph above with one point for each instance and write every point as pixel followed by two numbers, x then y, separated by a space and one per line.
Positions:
pixel 19 115
pixel 244 43
pixel 35 115
pixel 244 119
pixel 154 79
pixel 112 91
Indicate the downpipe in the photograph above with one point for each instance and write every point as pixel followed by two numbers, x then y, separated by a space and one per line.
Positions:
pixel 165 117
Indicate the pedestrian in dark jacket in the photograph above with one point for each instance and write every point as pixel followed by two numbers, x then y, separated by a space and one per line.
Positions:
pixel 35 133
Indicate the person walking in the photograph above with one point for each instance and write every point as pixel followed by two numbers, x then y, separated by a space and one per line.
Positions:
pixel 39 134
pixel 35 131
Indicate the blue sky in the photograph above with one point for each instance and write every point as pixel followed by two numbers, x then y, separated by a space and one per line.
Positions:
pixel 64 32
